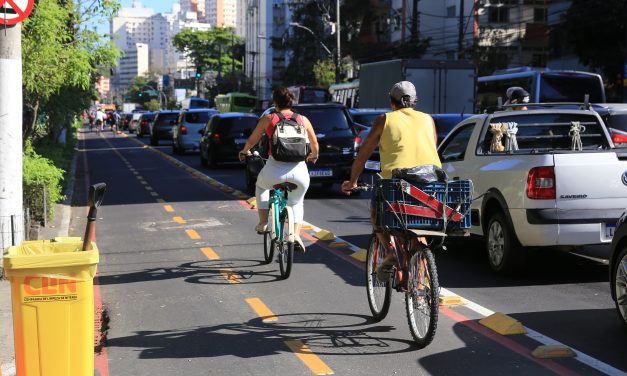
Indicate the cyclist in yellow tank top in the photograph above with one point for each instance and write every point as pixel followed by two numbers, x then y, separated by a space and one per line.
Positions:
pixel 407 139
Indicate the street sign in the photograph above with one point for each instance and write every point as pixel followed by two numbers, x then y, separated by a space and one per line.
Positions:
pixel 15 11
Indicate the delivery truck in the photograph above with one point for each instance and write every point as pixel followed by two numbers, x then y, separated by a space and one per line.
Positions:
pixel 446 86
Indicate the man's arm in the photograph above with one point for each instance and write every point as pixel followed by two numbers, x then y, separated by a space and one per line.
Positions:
pixel 368 146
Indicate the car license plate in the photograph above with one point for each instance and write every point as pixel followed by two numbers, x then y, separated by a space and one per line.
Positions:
pixel 373 165
pixel 609 231
pixel 320 173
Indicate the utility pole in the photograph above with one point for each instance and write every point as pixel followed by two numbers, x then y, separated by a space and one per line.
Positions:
pixel 460 42
pixel 253 54
pixel 338 61
pixel 11 210
pixel 414 22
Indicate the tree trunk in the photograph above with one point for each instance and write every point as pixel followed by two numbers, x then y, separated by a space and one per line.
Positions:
pixel 30 125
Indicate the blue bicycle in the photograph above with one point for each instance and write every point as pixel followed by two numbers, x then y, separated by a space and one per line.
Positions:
pixel 280 233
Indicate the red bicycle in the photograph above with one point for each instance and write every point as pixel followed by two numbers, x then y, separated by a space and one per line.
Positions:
pixel 416 219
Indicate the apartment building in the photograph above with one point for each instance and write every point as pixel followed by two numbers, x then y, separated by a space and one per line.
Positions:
pixel 221 13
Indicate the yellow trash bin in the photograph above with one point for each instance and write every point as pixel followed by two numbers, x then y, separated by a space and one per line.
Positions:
pixel 53 306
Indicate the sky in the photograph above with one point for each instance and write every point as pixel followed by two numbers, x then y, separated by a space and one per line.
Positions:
pixel 160 6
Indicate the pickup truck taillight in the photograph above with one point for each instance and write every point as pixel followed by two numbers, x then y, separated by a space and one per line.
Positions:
pixel 216 138
pixel 183 129
pixel 541 183
pixel 619 138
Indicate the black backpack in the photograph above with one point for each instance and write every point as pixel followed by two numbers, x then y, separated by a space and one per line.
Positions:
pixel 289 140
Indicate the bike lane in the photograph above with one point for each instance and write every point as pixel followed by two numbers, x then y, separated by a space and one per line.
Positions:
pixel 323 304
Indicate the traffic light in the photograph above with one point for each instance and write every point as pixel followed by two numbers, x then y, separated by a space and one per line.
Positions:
pixel 198 73
pixel 141 94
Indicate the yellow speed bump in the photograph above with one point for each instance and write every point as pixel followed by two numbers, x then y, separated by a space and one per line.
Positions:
pixel 503 324
pixel 252 202
pixel 306 226
pixel 553 351
pixel 360 255
pixel 451 300
pixel 324 235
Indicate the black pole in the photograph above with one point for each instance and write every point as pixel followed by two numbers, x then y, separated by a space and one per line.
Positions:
pixel 232 55
pixel 460 42
pixel 414 21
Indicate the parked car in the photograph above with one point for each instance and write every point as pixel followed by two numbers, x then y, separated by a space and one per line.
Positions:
pixel 125 121
pixel 542 190
pixel 335 130
pixel 161 127
pixel 366 116
pixel 133 126
pixel 144 123
pixel 618 268
pixel 224 136
pixel 185 135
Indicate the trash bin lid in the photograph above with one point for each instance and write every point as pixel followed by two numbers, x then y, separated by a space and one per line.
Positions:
pixel 47 254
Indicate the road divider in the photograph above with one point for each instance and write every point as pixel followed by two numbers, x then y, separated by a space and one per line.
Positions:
pixel 452 300
pixel 311 360
pixel 503 324
pixel 324 235
pixel 553 351
pixel 262 310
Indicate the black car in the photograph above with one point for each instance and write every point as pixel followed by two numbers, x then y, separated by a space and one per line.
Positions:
pixel 125 120
pixel 618 268
pixel 335 131
pixel 145 121
pixel 224 136
pixel 615 117
pixel 161 128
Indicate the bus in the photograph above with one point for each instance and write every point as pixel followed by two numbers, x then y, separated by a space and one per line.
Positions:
pixel 235 102
pixel 346 93
pixel 194 102
pixel 309 94
pixel 543 85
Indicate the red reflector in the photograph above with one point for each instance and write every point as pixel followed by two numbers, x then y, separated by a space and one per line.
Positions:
pixel 216 137
pixel 541 183
pixel 357 140
pixel 184 128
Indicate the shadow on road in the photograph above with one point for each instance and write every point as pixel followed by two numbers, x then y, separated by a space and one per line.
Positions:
pixel 324 333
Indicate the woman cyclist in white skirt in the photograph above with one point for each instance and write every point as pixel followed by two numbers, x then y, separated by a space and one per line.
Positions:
pixel 276 172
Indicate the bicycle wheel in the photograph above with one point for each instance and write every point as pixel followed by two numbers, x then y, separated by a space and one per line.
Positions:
pixel 423 297
pixel 285 247
pixel 268 239
pixel 379 292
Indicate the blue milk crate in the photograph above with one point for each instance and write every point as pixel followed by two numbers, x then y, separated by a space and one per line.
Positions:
pixel 458 198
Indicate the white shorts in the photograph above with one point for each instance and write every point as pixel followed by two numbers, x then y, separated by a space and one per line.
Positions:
pixel 275 172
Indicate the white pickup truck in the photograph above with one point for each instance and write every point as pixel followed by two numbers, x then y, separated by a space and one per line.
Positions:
pixel 558 181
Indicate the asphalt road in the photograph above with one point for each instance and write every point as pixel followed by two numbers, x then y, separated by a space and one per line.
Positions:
pixel 182 280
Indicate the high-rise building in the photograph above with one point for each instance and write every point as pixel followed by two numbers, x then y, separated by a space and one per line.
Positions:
pixel 222 13
pixel 135 62
pixel 140 26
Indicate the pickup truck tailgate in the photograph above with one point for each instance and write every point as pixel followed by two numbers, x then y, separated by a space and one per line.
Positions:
pixel 591 188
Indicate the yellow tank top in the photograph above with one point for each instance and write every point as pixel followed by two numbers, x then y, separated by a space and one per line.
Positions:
pixel 407 141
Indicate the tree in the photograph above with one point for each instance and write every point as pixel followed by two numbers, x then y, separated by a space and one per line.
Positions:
pixel 217 49
pixel 152 105
pixel 324 73
pixel 61 59
pixel 596 31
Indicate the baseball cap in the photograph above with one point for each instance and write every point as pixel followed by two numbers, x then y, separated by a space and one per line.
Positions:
pixel 516 95
pixel 404 92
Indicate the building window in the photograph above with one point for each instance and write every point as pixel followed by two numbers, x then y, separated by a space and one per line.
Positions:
pixel 451 11
pixel 539 15
pixel 498 14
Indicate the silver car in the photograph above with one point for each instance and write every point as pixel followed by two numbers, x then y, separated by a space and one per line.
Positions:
pixel 186 133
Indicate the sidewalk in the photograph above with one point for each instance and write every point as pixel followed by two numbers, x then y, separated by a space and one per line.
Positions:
pixel 59 226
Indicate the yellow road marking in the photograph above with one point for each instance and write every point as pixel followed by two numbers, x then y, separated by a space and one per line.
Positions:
pixel 210 253
pixel 230 276
pixel 261 309
pixel 179 220
pixel 311 360
pixel 192 234
pixel 168 208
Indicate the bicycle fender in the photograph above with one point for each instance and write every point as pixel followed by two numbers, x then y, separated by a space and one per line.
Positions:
pixel 290 221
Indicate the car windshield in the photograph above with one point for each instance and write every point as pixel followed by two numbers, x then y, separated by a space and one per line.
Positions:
pixel 238 124
pixel 325 119
pixel 617 121
pixel 570 89
pixel 148 117
pixel 314 96
pixel 166 119
pixel 444 125
pixel 198 117
pixel 366 119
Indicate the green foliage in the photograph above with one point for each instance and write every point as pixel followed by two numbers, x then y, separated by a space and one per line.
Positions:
pixel 217 49
pixel 152 105
pixel 41 173
pixel 596 32
pixel 324 72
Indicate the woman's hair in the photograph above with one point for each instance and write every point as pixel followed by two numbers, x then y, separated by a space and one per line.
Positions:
pixel 282 97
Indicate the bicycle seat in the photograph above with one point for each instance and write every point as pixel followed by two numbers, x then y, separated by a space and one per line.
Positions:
pixel 287 186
